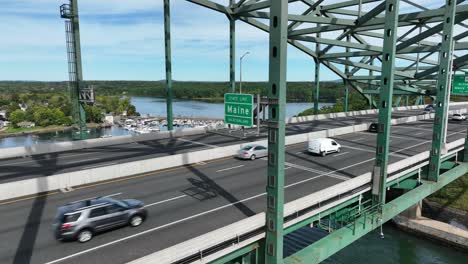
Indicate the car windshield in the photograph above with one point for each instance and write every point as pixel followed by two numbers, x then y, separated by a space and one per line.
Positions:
pixel 247 147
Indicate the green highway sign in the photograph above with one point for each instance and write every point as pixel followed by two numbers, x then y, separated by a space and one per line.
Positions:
pixel 460 84
pixel 238 109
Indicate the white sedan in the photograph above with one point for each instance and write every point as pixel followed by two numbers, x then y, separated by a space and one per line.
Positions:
pixel 458 117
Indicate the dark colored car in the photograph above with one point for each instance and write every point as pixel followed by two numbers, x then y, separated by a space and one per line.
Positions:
pixel 81 220
pixel 373 127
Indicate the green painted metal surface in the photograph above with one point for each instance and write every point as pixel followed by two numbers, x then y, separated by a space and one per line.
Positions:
pixel 75 67
pixel 276 131
pixel 385 105
pixel 244 254
pixel 443 88
pixel 238 109
pixel 168 59
pixel 334 242
pixel 325 213
pixel 232 51
pixel 317 78
pixel 460 84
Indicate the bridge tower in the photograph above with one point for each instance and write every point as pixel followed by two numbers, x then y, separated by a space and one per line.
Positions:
pixel 69 12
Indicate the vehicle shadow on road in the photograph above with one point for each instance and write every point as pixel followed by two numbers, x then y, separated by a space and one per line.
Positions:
pixel 27 241
pixel 214 188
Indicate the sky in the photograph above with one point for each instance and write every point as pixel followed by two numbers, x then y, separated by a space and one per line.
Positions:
pixel 123 40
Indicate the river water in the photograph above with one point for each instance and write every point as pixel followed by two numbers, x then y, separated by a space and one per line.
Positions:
pixel 145 106
pixel 397 247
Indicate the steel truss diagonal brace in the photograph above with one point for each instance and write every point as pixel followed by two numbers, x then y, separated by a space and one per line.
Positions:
pixel 444 76
pixel 385 101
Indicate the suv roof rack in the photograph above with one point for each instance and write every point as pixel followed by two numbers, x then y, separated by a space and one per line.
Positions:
pixel 87 200
pixel 89 207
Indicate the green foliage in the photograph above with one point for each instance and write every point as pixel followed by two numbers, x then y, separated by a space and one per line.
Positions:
pixel 454 195
pixel 17 116
pixel 47 109
pixel 296 91
pixel 356 102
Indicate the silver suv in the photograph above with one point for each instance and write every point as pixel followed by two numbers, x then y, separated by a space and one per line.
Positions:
pixel 81 220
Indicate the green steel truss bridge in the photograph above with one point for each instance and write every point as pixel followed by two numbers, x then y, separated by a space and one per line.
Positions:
pixel 386 48
pixel 383 49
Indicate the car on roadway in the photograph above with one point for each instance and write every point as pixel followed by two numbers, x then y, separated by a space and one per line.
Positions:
pixel 81 220
pixel 323 146
pixel 429 109
pixel 373 127
pixel 458 117
pixel 252 151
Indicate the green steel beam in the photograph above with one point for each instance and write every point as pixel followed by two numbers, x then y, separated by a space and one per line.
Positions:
pixel 232 51
pixel 167 41
pixel 443 87
pixel 211 5
pixel 397 101
pixel 465 150
pixel 317 79
pixel 276 132
pixel 407 184
pixel 77 108
pixel 334 242
pixel 311 53
pixel 317 87
pixel 385 106
pixel 323 214
pixel 346 95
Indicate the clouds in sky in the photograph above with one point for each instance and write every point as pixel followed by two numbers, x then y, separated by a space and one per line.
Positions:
pixel 123 40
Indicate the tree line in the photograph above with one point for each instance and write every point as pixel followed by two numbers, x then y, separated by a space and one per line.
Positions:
pixel 296 91
pixel 47 109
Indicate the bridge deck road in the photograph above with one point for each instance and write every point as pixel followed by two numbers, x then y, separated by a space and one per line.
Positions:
pixel 44 165
pixel 189 201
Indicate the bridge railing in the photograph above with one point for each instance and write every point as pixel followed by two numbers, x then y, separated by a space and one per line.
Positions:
pixel 228 239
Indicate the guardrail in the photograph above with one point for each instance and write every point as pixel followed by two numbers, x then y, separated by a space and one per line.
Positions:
pixel 38 149
pixel 225 240
pixel 67 180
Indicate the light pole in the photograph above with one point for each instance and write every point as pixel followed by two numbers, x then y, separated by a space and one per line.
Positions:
pixel 240 72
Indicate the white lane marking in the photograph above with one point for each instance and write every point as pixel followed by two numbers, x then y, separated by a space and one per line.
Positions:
pixel 287 168
pixel 372 151
pixel 358 139
pixel 299 152
pixel 430 129
pixel 197 143
pixel 98 166
pixel 154 229
pixel 392 136
pixel 419 133
pixel 341 154
pixel 235 167
pixel 165 201
pixel 316 171
pixel 112 195
pixel 80 161
pixel 204 213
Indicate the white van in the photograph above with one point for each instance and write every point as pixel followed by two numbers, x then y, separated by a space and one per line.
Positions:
pixel 323 146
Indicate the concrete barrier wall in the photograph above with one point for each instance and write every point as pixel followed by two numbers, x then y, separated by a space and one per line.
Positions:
pixel 71 179
pixel 300 119
pixel 216 237
pixel 38 149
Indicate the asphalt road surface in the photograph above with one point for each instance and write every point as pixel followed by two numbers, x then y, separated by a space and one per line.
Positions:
pixel 54 163
pixel 188 201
